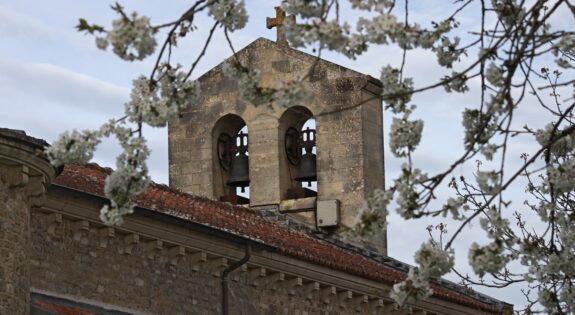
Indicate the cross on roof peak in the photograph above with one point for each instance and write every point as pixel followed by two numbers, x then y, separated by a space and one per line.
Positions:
pixel 278 23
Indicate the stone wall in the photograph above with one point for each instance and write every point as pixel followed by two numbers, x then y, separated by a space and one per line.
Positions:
pixel 14 236
pixel 24 176
pixel 137 273
pixel 155 266
pixel 123 274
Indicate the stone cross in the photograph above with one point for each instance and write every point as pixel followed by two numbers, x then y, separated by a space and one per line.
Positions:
pixel 278 23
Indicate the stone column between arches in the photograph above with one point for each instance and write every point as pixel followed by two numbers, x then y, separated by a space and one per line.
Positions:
pixel 264 161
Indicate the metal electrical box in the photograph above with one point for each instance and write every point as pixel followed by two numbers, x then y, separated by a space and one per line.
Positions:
pixel 327 213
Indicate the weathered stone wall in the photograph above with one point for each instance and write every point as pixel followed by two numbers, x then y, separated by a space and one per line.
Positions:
pixel 24 176
pixel 139 282
pixel 86 262
pixel 151 265
pixel 14 237
pixel 347 109
pixel 135 282
pixel 122 274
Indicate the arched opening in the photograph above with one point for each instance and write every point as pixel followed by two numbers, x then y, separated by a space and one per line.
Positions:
pixel 231 160
pixel 298 153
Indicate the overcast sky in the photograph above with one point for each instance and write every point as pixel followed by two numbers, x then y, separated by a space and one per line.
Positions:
pixel 54 79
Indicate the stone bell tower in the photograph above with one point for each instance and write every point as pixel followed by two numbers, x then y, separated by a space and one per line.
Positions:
pixel 223 143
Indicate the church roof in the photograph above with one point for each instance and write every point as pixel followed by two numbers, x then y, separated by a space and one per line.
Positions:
pixel 247 223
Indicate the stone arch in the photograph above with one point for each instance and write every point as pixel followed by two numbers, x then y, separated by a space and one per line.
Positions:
pixel 294 117
pixel 230 125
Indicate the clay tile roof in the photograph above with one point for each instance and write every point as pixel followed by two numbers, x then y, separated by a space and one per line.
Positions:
pixel 247 223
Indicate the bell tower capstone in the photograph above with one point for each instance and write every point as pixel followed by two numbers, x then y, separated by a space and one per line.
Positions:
pixel 339 151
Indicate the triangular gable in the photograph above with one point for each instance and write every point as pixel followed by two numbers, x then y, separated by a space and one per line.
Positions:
pixel 260 45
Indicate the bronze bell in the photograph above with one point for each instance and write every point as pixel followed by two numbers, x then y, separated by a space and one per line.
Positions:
pixel 307 169
pixel 239 175
pixel 240 172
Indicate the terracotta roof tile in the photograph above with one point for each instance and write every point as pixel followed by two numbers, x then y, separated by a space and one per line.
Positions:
pixel 247 223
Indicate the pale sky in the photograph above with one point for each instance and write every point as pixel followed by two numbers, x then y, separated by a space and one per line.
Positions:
pixel 53 79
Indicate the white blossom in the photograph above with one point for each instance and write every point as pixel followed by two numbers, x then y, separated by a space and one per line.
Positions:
pixel 101 43
pixel 457 82
pixel 487 259
pixel 73 147
pixel 412 289
pixel 394 92
pixel 488 150
pixel 547 299
pixel 129 179
pixel 143 103
pixel 306 9
pixel 495 225
pixel 292 93
pixel 331 34
pixel 433 261
pixel 562 176
pixel 561 147
pixel 564 49
pixel 492 257
pixel 371 219
pixel 231 13
pixel 478 127
pixel 404 136
pixel 248 81
pixel 369 5
pixel 131 38
pixel 508 12
pixel 447 52
pixel 453 206
pixel 131 175
pixel 379 29
pixel 406 186
pixel 494 75
pixel 488 182
pixel 156 103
